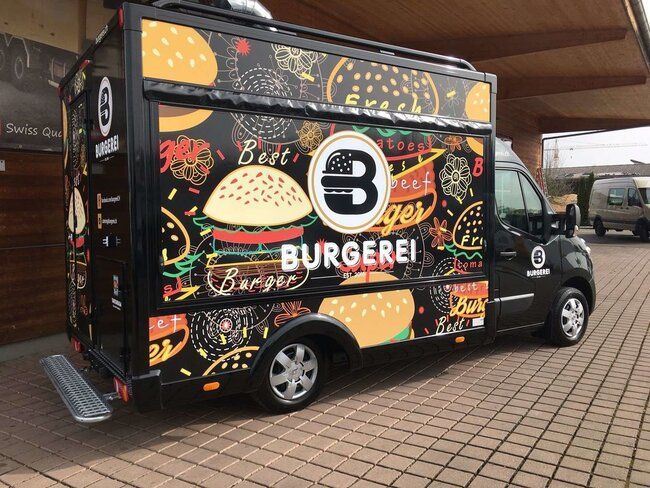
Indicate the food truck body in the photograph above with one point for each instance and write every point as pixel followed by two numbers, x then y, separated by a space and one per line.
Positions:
pixel 250 207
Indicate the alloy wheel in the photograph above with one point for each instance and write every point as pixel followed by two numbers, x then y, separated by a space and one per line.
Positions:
pixel 573 318
pixel 293 372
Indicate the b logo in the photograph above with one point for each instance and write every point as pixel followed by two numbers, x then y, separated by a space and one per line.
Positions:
pixel 349 182
pixel 538 257
pixel 105 106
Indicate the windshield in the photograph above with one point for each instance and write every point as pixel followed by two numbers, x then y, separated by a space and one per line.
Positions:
pixel 645 195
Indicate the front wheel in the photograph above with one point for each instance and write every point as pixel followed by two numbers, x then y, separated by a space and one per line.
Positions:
pixel 599 228
pixel 568 318
pixel 293 375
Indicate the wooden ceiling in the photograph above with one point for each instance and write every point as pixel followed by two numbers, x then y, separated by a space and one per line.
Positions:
pixel 570 65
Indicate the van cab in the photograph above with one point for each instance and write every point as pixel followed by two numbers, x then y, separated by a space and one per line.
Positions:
pixel 621 204
pixel 535 261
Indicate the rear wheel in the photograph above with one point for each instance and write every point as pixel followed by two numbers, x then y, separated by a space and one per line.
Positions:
pixel 293 375
pixel 568 318
pixel 643 231
pixel 599 228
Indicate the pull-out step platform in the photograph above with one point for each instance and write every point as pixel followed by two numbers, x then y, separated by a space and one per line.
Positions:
pixel 85 403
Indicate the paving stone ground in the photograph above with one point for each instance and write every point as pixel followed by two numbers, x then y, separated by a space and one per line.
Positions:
pixel 516 412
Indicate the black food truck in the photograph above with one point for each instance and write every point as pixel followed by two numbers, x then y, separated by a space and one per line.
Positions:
pixel 252 204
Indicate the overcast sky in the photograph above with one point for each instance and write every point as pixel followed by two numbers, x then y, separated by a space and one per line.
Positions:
pixel 612 147
pixel 615 147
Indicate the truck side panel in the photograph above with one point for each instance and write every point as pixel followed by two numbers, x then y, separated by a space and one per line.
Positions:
pixel 97 200
pixel 221 286
pixel 213 250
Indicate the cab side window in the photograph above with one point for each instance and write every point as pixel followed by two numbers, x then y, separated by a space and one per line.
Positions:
pixel 509 199
pixel 633 199
pixel 534 208
pixel 615 196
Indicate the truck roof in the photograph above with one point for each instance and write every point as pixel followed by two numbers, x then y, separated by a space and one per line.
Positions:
pixel 503 153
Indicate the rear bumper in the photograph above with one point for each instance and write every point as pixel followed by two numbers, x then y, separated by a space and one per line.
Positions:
pixel 150 393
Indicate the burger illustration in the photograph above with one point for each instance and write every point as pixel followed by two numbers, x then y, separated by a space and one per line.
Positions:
pixel 252 212
pixel 258 207
pixel 383 87
pixel 176 240
pixel 477 103
pixel 468 230
pixel 467 237
pixel 177 53
pixel 373 318
pixel 77 216
pixel 468 299
pixel 77 237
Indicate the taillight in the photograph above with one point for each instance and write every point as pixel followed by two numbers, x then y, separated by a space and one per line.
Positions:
pixel 77 345
pixel 121 389
pixel 120 17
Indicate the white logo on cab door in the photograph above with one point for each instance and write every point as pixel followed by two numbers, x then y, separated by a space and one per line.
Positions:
pixel 538 257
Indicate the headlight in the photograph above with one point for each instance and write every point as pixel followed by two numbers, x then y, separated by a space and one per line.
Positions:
pixel 584 244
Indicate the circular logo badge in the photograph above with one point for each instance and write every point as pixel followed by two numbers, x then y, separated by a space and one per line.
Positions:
pixel 349 182
pixel 538 257
pixel 105 106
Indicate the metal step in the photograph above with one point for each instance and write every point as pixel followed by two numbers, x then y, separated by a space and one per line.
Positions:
pixel 83 400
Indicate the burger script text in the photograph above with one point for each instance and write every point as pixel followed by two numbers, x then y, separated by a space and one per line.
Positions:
pixel 364 256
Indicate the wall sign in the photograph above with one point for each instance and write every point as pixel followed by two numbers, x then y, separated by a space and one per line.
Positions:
pixel 30 115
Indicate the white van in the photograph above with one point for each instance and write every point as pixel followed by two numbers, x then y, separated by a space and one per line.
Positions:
pixel 621 204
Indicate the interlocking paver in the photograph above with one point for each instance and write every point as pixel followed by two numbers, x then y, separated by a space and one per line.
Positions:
pixel 516 412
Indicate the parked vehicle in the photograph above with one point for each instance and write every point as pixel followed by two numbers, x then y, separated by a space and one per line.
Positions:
pixel 278 203
pixel 621 203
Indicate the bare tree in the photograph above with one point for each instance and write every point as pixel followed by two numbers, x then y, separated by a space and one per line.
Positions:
pixel 556 185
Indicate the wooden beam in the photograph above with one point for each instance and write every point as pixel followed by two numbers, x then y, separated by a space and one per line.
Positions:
pixel 567 124
pixel 517 88
pixel 496 47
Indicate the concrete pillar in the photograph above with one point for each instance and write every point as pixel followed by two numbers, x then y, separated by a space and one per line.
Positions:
pixel 522 128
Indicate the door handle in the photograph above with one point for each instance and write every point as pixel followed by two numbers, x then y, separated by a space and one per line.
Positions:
pixel 508 254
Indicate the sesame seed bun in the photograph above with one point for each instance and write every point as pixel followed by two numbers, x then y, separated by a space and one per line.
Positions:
pixel 391 87
pixel 179 54
pixel 257 195
pixel 374 318
pixel 477 104
pixel 469 228
pixel 476 145
pixel 77 206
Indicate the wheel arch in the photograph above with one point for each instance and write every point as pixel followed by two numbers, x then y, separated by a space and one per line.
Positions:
pixel 326 331
pixel 581 283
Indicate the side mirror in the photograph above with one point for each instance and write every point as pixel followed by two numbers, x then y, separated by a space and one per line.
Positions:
pixel 570 220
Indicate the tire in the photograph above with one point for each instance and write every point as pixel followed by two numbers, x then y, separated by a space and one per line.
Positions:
pixel 643 231
pixel 569 316
pixel 599 228
pixel 280 396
